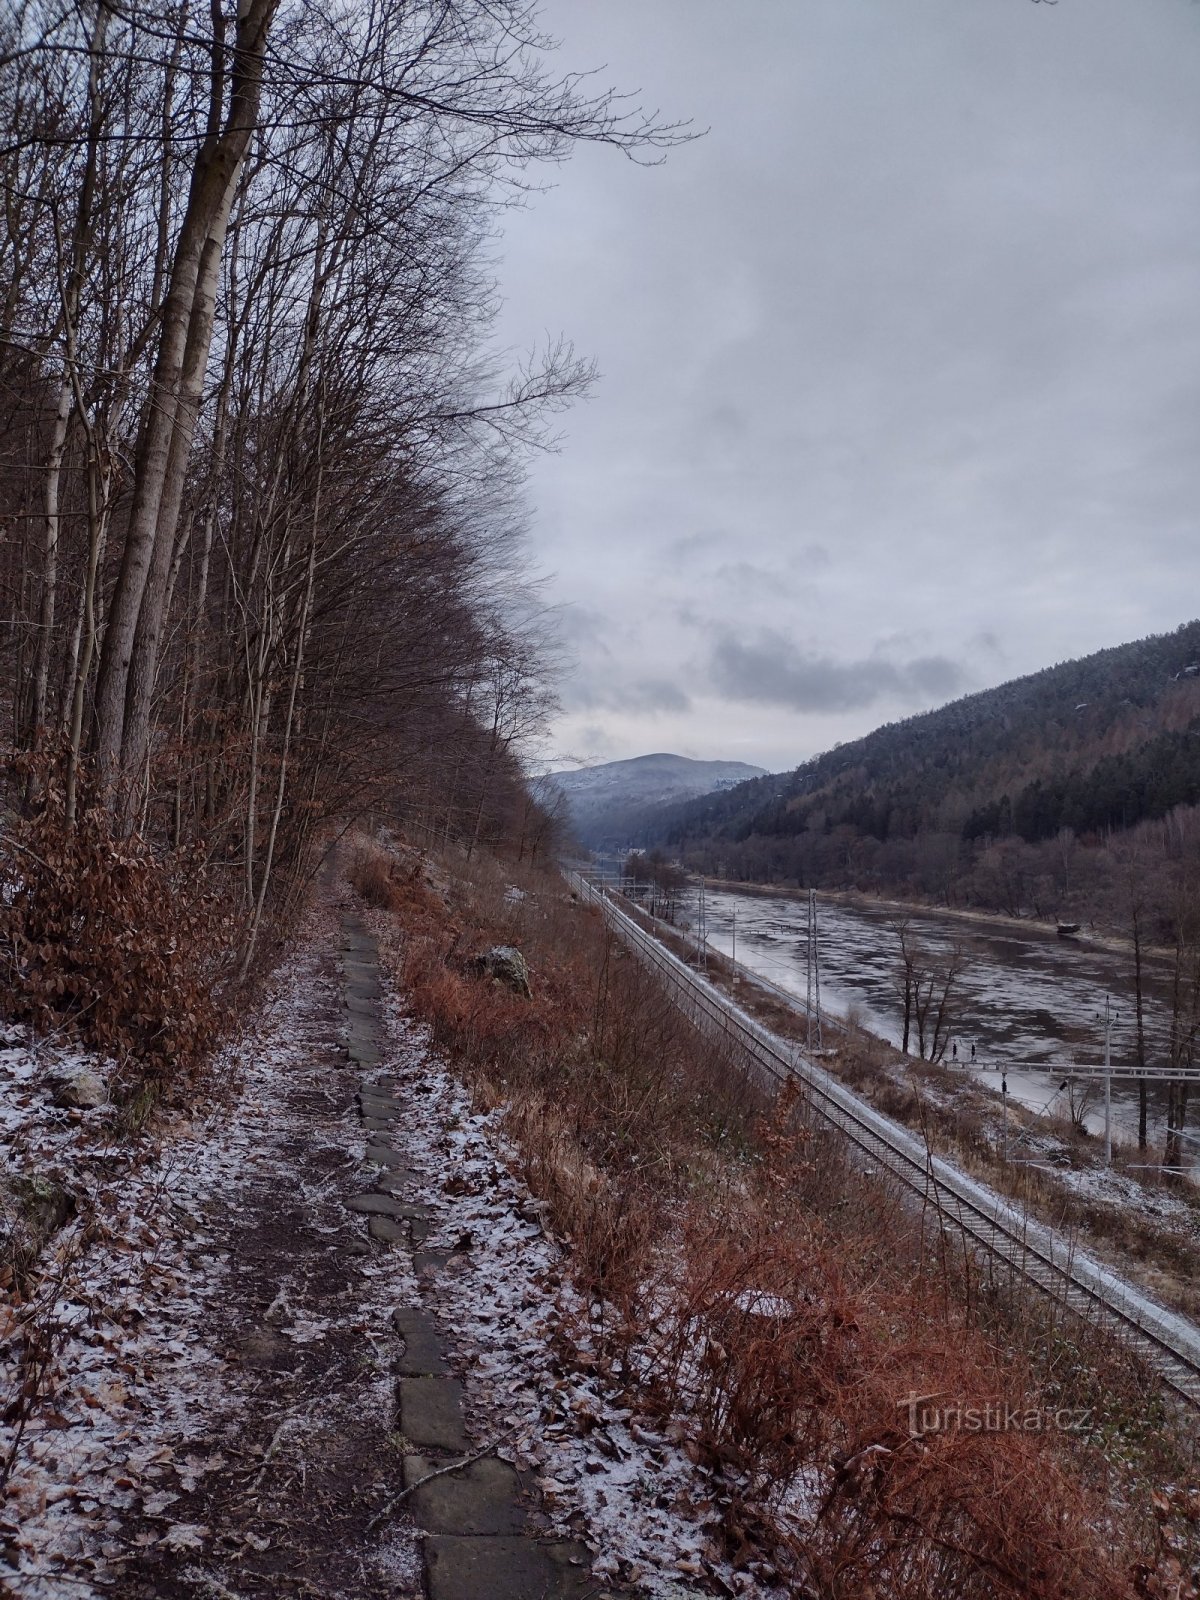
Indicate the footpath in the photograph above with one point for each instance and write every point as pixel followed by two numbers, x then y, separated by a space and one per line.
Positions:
pixel 318 1344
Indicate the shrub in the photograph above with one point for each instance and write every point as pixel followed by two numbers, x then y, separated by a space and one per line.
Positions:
pixel 102 937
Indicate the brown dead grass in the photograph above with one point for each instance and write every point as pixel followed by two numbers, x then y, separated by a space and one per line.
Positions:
pixel 746 1275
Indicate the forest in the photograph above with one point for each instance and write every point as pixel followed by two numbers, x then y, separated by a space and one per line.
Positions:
pixel 261 555
pixel 1011 799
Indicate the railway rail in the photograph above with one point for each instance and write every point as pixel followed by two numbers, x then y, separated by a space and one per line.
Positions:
pixel 1038 1255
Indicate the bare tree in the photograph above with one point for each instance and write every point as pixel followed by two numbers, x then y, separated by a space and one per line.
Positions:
pixel 927 985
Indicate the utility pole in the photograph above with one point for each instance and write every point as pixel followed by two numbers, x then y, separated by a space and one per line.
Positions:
pixel 1004 1113
pixel 733 957
pixel 812 989
pixel 1108 1022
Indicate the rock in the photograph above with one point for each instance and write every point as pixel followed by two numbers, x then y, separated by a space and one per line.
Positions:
pixel 505 964
pixel 79 1087
pixel 32 1210
pixel 431 1413
pixel 45 1205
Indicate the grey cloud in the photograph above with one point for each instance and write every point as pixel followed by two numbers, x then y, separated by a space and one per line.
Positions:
pixel 771 669
pixel 937 676
pixel 749 579
pixel 646 695
pixel 918 322
pixel 585 629
pixel 691 546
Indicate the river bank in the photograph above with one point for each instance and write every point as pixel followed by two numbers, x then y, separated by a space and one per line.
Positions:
pixel 1094 938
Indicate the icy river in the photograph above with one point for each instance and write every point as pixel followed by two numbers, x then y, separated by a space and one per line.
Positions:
pixel 1028 1001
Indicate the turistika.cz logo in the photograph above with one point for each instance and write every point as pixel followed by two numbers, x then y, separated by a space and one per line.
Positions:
pixel 939 1413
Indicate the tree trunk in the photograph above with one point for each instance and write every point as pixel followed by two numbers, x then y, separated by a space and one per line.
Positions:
pixel 129 656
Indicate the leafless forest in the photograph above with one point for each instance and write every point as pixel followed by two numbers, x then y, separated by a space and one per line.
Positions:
pixel 261 557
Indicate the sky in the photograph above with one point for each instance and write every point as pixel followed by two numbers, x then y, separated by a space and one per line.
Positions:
pixel 900 362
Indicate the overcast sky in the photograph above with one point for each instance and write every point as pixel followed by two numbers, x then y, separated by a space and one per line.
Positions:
pixel 900 388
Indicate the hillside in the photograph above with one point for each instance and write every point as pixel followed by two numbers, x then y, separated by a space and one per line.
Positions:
pixel 606 802
pixel 1094 745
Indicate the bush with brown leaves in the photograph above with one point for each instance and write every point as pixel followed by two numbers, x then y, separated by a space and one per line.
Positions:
pixel 107 940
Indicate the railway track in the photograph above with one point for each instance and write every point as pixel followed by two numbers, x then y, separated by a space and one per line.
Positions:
pixel 1038 1255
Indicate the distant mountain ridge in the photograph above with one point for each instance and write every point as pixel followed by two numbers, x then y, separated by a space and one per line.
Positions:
pixel 1091 745
pixel 604 800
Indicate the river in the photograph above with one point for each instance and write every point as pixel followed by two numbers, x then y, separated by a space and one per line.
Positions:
pixel 1026 999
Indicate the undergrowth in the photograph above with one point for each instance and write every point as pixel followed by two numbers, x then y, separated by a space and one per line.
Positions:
pixel 108 941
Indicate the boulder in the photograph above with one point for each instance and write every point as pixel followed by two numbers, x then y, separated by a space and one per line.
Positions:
pixel 79 1087
pixel 44 1205
pixel 505 964
pixel 32 1209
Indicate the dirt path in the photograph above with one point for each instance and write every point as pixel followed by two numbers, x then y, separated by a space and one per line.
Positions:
pixel 339 1395
pixel 301 1449
pixel 320 1345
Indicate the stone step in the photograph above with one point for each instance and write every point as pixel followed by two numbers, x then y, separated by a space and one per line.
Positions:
pixel 467 1568
pixel 430 1261
pixel 387 1231
pixel 431 1413
pixel 482 1498
pixel 422 1356
pixel 382 1106
pixel 360 1005
pixel 394 1167
pixel 361 1030
pixel 375 1204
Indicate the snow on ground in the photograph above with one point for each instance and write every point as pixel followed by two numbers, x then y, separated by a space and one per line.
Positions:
pixel 1170 1211
pixel 132 1274
pixel 140 1405
pixel 136 1379
pixel 607 1476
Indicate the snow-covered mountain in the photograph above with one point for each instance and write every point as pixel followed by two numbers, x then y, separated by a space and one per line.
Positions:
pixel 606 802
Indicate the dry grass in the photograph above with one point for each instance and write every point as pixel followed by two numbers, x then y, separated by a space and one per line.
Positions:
pixel 745 1275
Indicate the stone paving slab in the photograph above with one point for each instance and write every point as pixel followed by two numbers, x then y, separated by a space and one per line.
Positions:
pixel 422 1356
pixel 385 1230
pixel 364 1057
pixel 505 1569
pixel 431 1413
pixel 379 1105
pixel 387 1205
pixel 394 1180
pixel 362 1005
pixel 393 1169
pixel 430 1260
pixel 360 1032
pixel 481 1498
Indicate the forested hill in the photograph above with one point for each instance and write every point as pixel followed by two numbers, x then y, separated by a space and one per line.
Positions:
pixel 602 801
pixel 1091 745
